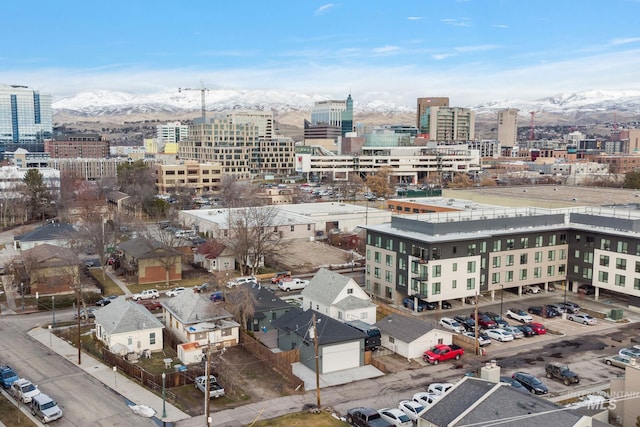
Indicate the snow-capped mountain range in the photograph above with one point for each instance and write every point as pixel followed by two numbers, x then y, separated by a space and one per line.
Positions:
pixel 105 103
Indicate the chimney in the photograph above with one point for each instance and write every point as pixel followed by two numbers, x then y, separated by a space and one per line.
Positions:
pixel 490 372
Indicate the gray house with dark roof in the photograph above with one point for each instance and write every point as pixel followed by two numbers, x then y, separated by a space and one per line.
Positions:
pixel 150 260
pixel 410 336
pixel 127 327
pixel 477 402
pixel 339 346
pixel 56 233
pixel 267 309
pixel 339 297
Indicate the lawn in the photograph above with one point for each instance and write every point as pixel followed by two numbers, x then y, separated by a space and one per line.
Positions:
pixel 10 415
pixel 302 419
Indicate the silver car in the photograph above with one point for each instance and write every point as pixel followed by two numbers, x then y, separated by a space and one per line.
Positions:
pixel 516 332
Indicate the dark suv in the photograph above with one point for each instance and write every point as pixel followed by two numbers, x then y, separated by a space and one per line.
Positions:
pixel 467 322
pixel 562 372
pixel 365 417
pixel 484 321
pixel 530 382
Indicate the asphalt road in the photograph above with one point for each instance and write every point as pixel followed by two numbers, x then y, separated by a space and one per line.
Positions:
pixel 83 400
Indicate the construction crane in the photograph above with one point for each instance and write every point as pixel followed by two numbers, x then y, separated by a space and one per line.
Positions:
pixel 202 98
pixel 531 133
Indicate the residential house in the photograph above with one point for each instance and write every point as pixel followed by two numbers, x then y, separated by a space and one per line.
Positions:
pixel 150 260
pixel 476 401
pixel 409 336
pixel 339 297
pixel 54 233
pixel 48 269
pixel 192 317
pixel 340 346
pixel 126 327
pixel 268 307
pixel 214 256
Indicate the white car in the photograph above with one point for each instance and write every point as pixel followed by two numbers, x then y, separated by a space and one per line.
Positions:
pixel 241 281
pixel 451 324
pixel 396 417
pixel 483 339
pixel 425 398
pixel 412 409
pixel 175 291
pixel 24 390
pixel 439 388
pixel 499 334
pixel 146 294
pixel 517 333
pixel 582 318
pixel 531 289
pixel 519 315
pixel 292 284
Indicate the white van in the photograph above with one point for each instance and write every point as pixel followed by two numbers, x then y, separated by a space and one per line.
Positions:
pixel 185 234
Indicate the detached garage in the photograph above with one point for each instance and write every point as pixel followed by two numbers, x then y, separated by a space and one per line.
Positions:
pixel 340 346
pixel 410 337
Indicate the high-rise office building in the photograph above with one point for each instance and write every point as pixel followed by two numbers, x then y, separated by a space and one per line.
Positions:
pixel 173 132
pixel 26 118
pixel 424 104
pixel 508 127
pixel 448 124
pixel 334 113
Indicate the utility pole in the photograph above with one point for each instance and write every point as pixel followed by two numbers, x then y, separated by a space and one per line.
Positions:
pixel 207 383
pixel 476 325
pixel 78 290
pixel 315 346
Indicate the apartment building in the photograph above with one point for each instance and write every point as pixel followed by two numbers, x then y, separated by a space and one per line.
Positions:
pixel 445 256
pixel 77 146
pixel 190 176
pixel 275 156
pixel 508 127
pixel 424 104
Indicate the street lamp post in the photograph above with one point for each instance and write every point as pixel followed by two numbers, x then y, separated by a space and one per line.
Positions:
pixel 22 294
pixel 53 310
pixel 164 406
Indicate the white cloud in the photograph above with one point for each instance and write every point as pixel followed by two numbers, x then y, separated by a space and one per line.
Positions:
pixel 385 49
pixel 478 48
pixel 441 56
pixel 415 18
pixel 500 26
pixel 617 42
pixel 457 22
pixel 323 9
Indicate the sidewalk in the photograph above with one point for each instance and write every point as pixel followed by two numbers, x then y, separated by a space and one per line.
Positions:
pixel 118 382
pixel 117 281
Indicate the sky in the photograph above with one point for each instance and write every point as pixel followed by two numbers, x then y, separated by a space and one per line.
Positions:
pixel 472 51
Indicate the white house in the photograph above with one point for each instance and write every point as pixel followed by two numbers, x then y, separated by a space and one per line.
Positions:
pixel 338 297
pixel 410 336
pixel 214 256
pixel 192 317
pixel 127 327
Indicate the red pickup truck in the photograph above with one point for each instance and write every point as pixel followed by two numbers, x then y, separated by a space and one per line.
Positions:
pixel 442 352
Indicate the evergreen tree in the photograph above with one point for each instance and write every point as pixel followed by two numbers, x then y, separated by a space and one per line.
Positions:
pixel 36 194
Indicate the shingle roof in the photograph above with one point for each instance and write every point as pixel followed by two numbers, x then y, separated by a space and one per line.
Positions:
pixel 141 247
pixel 403 328
pixel 352 302
pixel 211 249
pixel 266 300
pixel 191 308
pixel 329 330
pixel 486 401
pixel 47 255
pixel 54 231
pixel 125 316
pixel 325 286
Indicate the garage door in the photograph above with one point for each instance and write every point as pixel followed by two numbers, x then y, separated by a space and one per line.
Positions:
pixel 340 356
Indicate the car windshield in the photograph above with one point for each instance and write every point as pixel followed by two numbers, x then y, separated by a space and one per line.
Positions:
pixel 48 405
pixel 535 381
pixel 7 374
pixel 27 388
pixel 404 418
pixel 455 324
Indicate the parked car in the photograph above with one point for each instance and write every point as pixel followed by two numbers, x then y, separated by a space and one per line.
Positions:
pixel 106 300
pixel 151 305
pixel 587 289
pixel 423 305
pixel 175 291
pixel 538 328
pixel 280 275
pixel 530 382
pixel 531 289
pixel 583 318
pixel 395 417
pixel 146 294
pixel 201 288
pixel 241 281
pixel 570 307
pixel 442 352
pixel 526 330
pixel 425 398
pixel 545 311
pixel 483 338
pixel 631 352
pixel 215 389
pixel 484 321
pixel 452 325
pixel 500 334
pixel 439 388
pixel 467 323
pixel 7 376
pixel 513 383
pixel 90 313
pixel 217 296
pixel 292 284
pixel 618 361
pixel 557 307
pixel 23 390
pixel 365 417
pixel 496 318
pixel 411 408
pixel 515 331
pixel 519 315
pixel 446 305
pixel 562 372
pixel 45 408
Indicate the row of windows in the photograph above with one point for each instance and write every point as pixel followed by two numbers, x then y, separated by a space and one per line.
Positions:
pixel 524 273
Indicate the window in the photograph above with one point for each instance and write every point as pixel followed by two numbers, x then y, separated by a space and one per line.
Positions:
pixel 471 249
pixel 483 247
pixel 350 291
pixel 552 240
pixel 551 255
pixel 523 259
pixel 454 249
pixel 388 276
pixel 388 260
pixel 497 245
pixel 621 263
pixel 637 266
pixel 636 284
pixel 471 267
pixel 402 247
pixel 562 268
pixel 510 243
pixel 368 254
pixel 563 254
pixel 588 257
pixel 563 238
pixel 152 338
pixel 454 266
pixel 435 289
pixel 495 278
pixel 226 332
pixel 454 284
pixel 376 272
pixel 509 260
pixel 538 241
pixel 603 276
pixel 551 270
pixel 436 253
pixel 576 254
pixel 605 244
pixel 523 274
pixel 293 228
pixel 377 256
pixel 537 272
pixel 308 227
pixel 388 292
pixel 437 271
pixel 524 242
pixel 471 283
pixel 378 242
pixel 495 261
pixel 391 340
pixel 587 273
pixel 589 241
pixel 509 276
pixel 604 260
pixel 538 256
pixel 129 341
pixel 622 247
pixel 578 237
pixel 620 280
pixel 402 264
pixel 389 246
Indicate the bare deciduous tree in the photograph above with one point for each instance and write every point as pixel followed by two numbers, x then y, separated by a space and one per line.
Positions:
pixel 241 303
